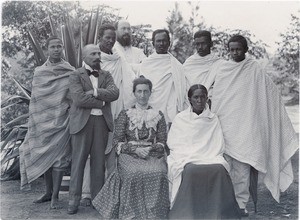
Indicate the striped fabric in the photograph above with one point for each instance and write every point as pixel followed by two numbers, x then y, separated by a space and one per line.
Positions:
pixel 256 127
pixel 48 135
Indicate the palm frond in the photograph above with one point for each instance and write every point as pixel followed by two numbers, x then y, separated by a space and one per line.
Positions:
pixel 69 44
pixel 53 29
pixel 16 120
pixel 25 91
pixel 38 53
pixel 12 153
pixel 79 53
pixel 10 137
pixel 11 170
pixel 88 39
pixel 13 100
pixel 96 24
pixel 92 31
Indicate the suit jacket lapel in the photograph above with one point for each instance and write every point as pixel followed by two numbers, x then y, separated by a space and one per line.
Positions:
pixel 100 78
pixel 86 77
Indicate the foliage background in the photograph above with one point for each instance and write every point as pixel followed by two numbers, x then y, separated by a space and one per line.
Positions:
pixel 18 58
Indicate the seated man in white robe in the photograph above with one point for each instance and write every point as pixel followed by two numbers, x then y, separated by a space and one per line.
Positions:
pixel 167 76
pixel 255 124
pixel 197 67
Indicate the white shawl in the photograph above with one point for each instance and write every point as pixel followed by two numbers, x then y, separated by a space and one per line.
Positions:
pixel 196 139
pixel 256 127
pixel 123 77
pixel 197 68
pixel 132 55
pixel 169 84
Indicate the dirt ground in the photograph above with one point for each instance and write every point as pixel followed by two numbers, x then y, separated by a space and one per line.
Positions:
pixel 17 204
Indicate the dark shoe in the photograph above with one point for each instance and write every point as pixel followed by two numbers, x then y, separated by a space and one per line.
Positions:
pixel 244 213
pixel 86 202
pixel 72 209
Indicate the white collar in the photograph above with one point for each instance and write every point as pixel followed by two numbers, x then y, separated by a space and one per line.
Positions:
pixel 86 66
pixel 120 45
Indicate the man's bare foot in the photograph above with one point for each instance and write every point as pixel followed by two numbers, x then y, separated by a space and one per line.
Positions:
pixel 55 204
pixel 86 202
pixel 44 198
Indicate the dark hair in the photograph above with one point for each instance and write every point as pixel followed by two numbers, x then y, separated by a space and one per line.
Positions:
pixel 240 39
pixel 193 88
pixel 52 38
pixel 202 34
pixel 142 80
pixel 103 28
pixel 161 31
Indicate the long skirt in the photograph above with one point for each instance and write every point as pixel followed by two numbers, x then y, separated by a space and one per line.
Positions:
pixel 137 189
pixel 206 192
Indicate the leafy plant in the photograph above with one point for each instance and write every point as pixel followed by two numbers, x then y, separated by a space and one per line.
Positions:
pixel 286 60
pixel 12 135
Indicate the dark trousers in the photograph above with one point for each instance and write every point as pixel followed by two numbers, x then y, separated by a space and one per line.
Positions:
pixel 92 139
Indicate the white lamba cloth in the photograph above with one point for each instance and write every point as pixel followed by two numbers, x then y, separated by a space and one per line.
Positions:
pixel 197 68
pixel 195 139
pixel 169 84
pixel 255 124
pixel 123 77
pixel 132 55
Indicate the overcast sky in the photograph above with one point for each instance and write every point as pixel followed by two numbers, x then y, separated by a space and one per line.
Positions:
pixel 265 19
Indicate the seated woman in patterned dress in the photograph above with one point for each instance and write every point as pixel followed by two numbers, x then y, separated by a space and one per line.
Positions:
pixel 138 188
pixel 200 186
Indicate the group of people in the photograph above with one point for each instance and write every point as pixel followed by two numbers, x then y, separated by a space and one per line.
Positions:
pixel 148 137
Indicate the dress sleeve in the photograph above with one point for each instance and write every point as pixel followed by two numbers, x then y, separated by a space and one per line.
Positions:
pixel 161 137
pixel 119 137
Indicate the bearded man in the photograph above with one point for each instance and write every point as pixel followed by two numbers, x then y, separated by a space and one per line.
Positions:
pixel 132 55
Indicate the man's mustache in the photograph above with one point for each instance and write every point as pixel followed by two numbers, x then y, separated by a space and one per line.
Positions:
pixel 126 35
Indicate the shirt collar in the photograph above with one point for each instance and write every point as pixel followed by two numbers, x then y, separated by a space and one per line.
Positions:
pixel 124 47
pixel 86 66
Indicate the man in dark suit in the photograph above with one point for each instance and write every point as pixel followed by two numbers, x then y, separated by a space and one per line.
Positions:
pixel 92 90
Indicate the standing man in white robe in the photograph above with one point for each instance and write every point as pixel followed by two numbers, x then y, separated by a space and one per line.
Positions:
pixel 118 67
pixel 257 130
pixel 197 67
pixel 167 75
pixel 132 55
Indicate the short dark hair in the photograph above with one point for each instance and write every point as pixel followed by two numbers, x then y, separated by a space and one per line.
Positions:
pixel 161 31
pixel 203 34
pixel 142 80
pixel 52 38
pixel 103 28
pixel 193 88
pixel 240 39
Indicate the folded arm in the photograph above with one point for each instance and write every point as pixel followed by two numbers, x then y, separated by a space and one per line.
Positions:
pixel 110 92
pixel 80 97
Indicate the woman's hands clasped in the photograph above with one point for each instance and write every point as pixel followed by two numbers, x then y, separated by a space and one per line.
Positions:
pixel 143 152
